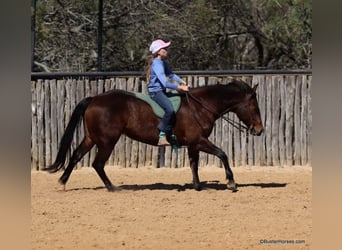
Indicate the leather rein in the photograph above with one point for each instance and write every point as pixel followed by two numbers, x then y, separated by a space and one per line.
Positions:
pixel 235 124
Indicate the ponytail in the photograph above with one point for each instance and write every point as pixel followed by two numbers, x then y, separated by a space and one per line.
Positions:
pixel 149 61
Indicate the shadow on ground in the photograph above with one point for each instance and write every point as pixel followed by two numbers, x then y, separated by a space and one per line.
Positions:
pixel 206 185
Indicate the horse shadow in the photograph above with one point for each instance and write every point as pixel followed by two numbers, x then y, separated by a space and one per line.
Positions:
pixel 205 185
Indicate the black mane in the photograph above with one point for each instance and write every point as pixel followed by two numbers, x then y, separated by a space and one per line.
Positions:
pixel 241 86
pixel 237 85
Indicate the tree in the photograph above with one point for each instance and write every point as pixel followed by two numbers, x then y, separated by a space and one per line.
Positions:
pixel 214 34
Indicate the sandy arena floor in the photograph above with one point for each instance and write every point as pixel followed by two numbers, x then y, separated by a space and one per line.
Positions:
pixel 158 209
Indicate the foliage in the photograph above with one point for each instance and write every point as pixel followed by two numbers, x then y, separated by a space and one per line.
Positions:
pixel 214 34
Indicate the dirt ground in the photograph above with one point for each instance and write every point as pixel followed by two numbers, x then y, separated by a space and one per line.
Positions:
pixel 158 209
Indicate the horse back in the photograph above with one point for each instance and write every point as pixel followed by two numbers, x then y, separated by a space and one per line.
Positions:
pixel 120 112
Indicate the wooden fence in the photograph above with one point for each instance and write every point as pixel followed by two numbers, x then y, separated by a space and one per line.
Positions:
pixel 284 100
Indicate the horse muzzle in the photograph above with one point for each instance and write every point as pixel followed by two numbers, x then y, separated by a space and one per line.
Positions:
pixel 256 130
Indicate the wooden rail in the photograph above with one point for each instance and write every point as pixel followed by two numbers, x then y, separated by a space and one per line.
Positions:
pixel 284 100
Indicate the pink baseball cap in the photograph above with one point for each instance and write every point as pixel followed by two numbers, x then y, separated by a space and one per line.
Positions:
pixel 158 44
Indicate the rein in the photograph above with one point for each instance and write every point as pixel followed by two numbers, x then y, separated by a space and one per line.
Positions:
pixel 235 124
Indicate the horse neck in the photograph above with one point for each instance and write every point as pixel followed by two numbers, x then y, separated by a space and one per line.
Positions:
pixel 219 98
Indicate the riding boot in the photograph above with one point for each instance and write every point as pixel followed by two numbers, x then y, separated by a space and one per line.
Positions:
pixel 163 140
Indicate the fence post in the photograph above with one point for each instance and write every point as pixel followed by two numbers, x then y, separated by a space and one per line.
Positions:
pixel 284 101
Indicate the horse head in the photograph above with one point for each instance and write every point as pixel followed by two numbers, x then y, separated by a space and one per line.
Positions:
pixel 248 112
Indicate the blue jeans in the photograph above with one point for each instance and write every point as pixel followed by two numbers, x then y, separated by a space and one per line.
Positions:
pixel 167 122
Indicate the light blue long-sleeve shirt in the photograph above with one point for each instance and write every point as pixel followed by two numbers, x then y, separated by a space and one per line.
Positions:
pixel 160 70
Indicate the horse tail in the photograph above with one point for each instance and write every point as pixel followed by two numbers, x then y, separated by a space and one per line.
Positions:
pixel 66 140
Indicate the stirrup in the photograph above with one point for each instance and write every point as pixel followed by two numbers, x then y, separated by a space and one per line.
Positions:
pixel 174 143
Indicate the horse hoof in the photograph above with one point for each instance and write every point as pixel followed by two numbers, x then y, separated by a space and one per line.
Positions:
pixel 63 184
pixel 113 188
pixel 62 181
pixel 232 186
pixel 197 187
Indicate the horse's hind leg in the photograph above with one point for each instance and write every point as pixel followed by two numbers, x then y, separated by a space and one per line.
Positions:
pixel 77 155
pixel 194 157
pixel 99 163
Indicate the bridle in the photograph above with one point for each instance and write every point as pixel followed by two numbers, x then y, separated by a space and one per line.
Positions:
pixel 235 124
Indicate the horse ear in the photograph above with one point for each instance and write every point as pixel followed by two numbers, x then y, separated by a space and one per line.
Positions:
pixel 255 87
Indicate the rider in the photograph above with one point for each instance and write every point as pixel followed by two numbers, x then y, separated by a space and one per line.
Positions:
pixel 157 71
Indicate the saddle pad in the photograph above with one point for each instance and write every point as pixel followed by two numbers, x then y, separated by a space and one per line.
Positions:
pixel 173 97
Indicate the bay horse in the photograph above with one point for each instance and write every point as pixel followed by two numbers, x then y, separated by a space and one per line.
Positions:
pixel 109 115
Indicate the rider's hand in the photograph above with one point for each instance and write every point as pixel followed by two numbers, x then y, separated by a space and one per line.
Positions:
pixel 183 88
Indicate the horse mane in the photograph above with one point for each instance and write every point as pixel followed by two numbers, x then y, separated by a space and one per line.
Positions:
pixel 241 86
pixel 237 85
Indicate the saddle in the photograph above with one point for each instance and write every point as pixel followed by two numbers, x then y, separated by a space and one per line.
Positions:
pixel 173 97
pixel 158 111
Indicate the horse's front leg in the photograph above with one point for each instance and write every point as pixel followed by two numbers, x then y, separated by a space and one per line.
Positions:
pixel 208 147
pixel 193 157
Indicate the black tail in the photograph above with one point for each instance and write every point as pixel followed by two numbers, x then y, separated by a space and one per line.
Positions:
pixel 68 135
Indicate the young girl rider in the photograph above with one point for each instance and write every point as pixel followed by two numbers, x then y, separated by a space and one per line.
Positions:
pixel 157 71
